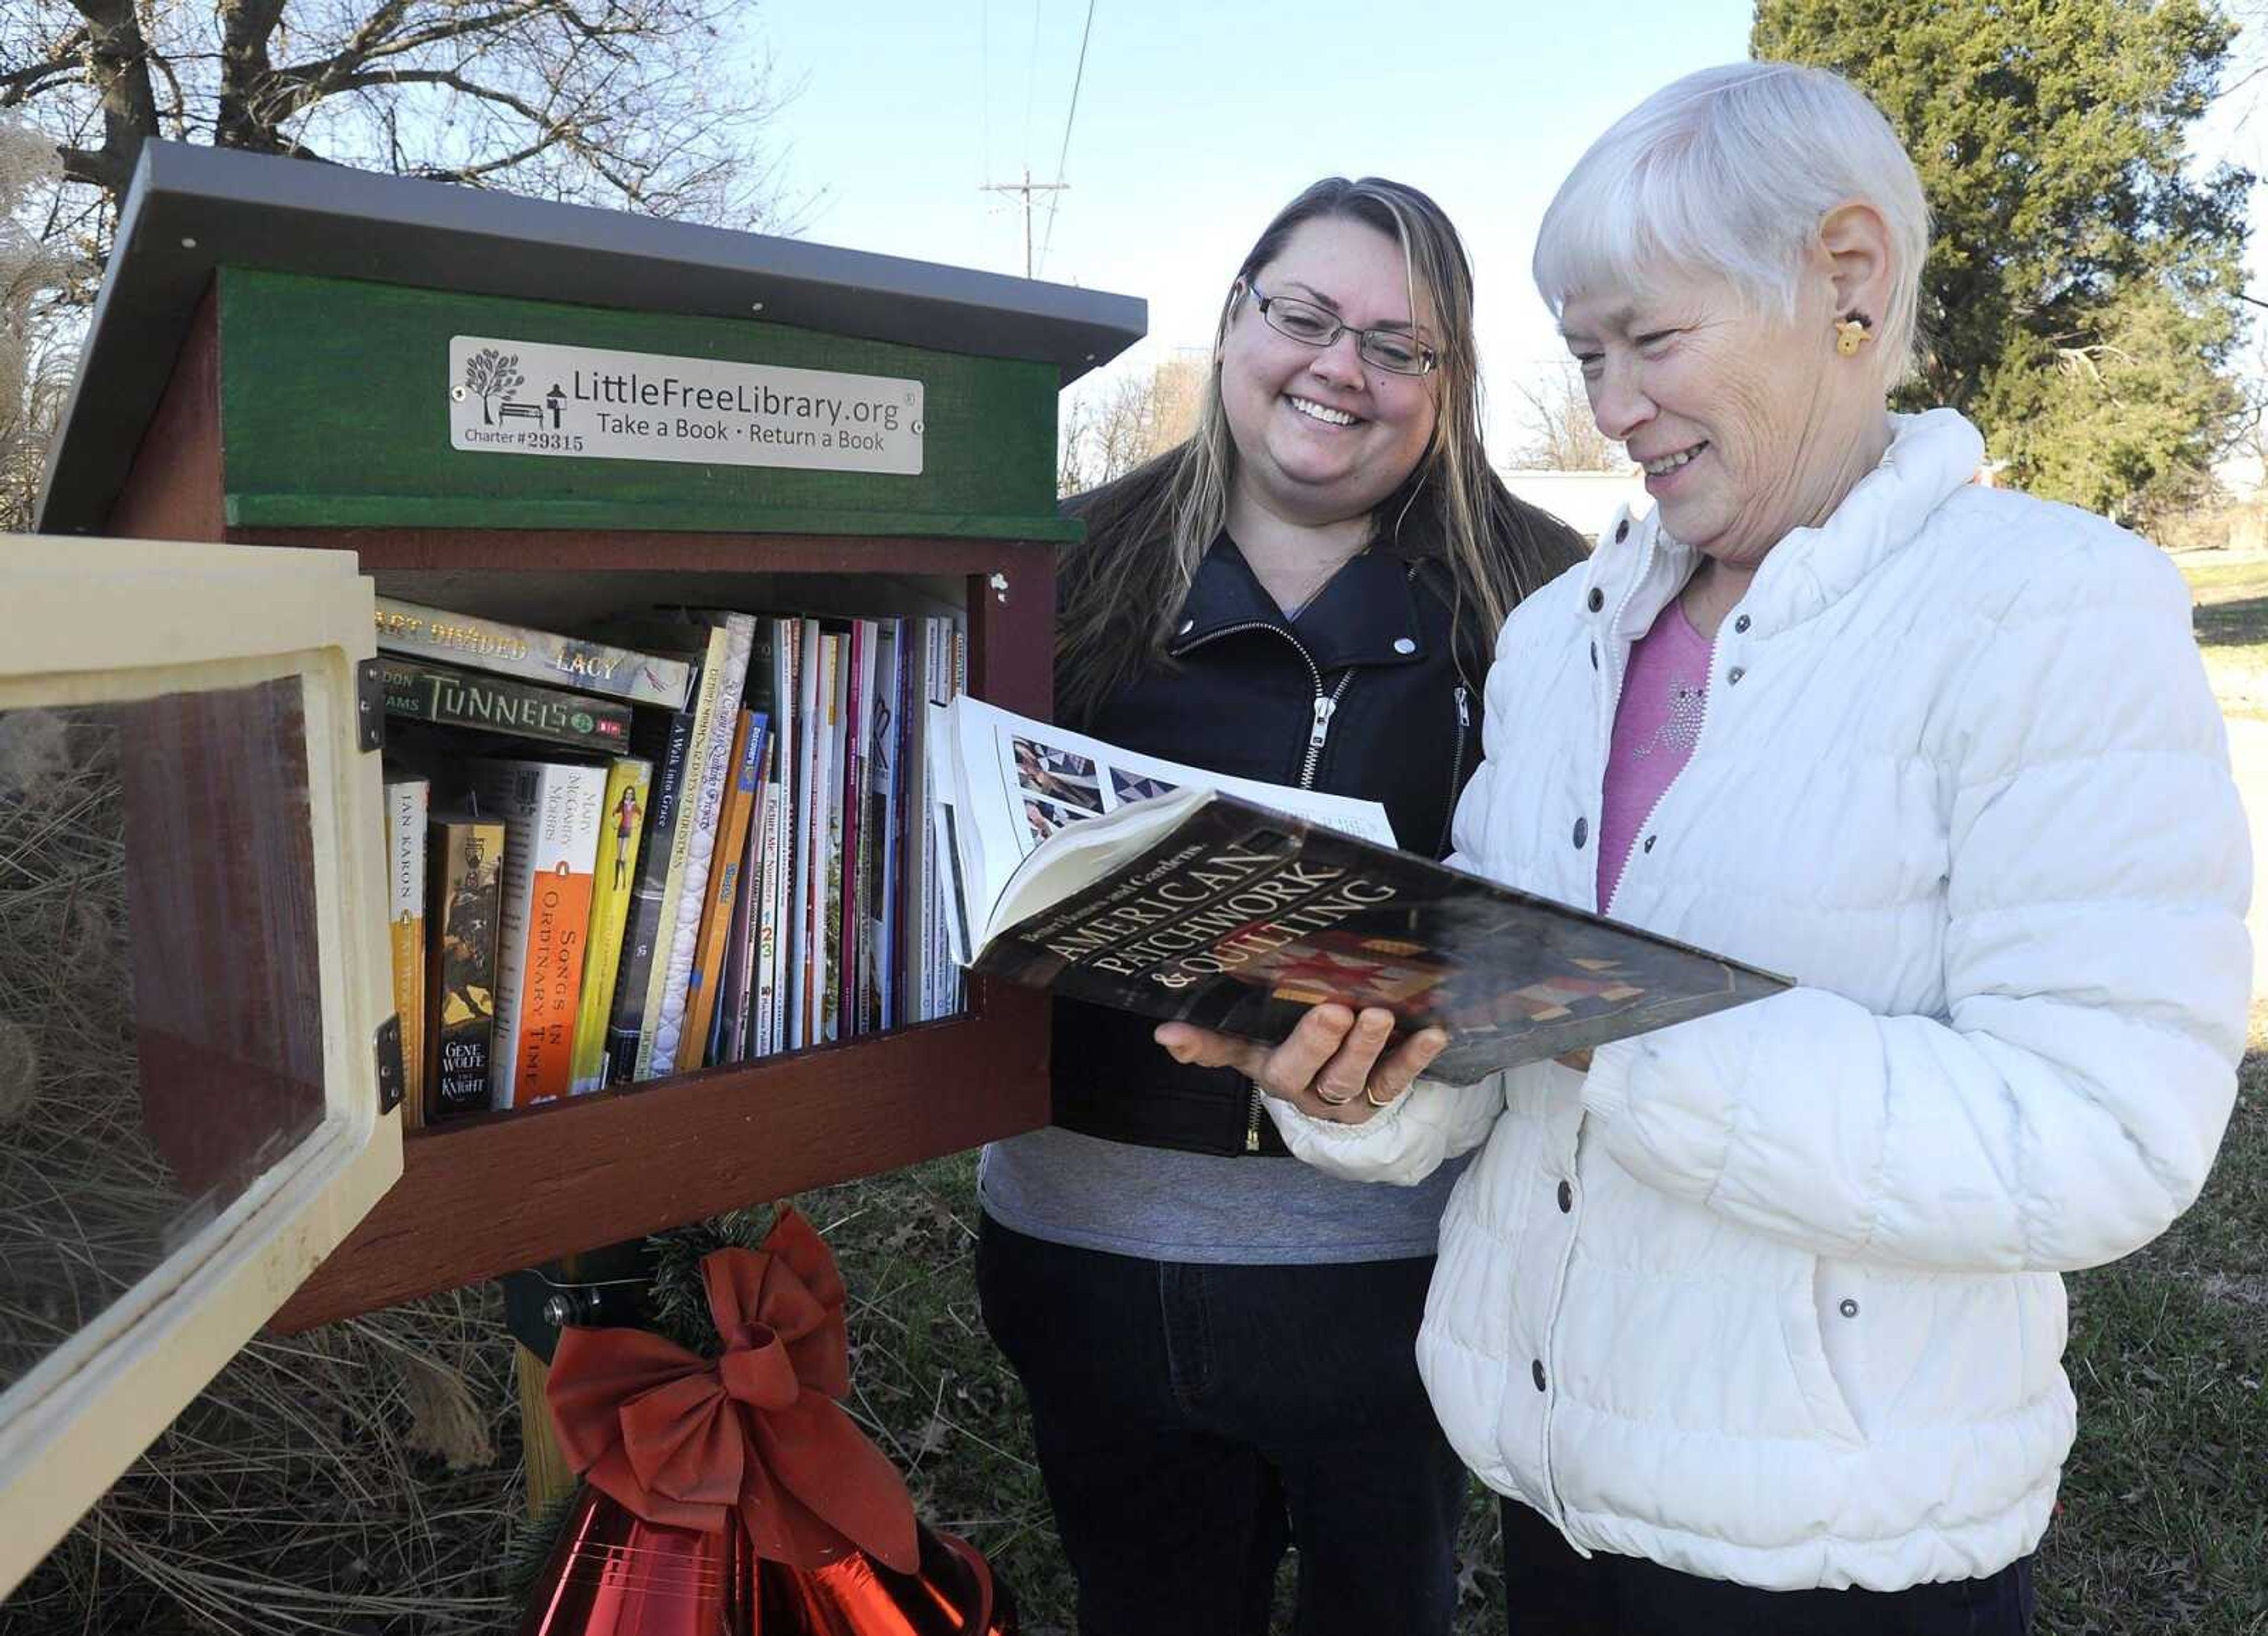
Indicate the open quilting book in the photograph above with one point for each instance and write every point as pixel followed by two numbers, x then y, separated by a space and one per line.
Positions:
pixel 1132 883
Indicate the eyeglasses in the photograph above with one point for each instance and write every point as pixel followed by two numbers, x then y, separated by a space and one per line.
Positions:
pixel 1393 351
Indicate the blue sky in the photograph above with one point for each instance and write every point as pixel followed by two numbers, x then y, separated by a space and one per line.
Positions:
pixel 1196 121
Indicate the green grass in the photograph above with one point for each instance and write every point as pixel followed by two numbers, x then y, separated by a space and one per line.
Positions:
pixel 2164 1523
pixel 2164 1520
pixel 2231 588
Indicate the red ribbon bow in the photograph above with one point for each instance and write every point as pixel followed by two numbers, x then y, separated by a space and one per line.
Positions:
pixel 686 1441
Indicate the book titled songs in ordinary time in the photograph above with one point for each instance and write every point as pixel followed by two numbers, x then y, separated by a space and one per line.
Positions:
pixel 1163 890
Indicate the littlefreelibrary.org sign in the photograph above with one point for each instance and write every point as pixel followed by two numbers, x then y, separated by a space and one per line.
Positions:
pixel 523 397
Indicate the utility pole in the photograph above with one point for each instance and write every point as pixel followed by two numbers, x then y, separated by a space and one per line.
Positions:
pixel 1027 187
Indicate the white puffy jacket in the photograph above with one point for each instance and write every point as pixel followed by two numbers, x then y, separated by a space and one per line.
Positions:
pixel 1773 1296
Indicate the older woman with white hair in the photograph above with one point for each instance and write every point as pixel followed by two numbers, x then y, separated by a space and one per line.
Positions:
pixel 1757 1323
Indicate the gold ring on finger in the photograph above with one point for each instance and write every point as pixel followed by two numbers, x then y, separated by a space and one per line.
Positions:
pixel 1371 1096
pixel 1335 1102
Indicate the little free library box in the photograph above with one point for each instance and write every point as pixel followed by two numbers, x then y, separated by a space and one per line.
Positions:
pixel 306 389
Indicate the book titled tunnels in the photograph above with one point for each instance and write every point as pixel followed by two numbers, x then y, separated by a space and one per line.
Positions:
pixel 420 690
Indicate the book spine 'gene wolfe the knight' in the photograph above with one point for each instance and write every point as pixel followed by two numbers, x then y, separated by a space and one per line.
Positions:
pixel 421 691
pixel 490 644
pixel 465 875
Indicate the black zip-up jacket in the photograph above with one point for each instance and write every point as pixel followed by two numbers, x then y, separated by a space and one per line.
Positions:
pixel 1371 693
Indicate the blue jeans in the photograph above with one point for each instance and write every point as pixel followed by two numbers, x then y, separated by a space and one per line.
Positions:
pixel 1195 1421
pixel 1550 1591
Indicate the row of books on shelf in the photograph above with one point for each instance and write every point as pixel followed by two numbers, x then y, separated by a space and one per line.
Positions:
pixel 706 848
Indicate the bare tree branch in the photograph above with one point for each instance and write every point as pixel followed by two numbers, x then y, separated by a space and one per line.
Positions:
pixel 1562 433
pixel 372 44
pixel 1114 426
pixel 455 81
pixel 61 61
pixel 650 104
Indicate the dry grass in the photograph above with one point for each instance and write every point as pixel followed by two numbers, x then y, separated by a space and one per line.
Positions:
pixel 360 1478
pixel 85 1202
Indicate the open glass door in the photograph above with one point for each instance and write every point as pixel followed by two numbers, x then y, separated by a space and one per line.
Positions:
pixel 194 1000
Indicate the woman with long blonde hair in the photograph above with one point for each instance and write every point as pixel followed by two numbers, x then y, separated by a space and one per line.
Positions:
pixel 1216 1340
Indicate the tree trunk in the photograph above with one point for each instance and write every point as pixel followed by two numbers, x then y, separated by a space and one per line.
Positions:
pixel 250 108
pixel 120 58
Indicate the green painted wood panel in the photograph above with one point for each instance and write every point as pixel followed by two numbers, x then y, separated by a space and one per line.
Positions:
pixel 335 414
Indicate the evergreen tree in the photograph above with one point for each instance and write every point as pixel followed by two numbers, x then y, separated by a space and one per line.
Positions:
pixel 2081 294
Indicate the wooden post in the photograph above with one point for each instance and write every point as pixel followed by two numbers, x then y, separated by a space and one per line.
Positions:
pixel 549 1477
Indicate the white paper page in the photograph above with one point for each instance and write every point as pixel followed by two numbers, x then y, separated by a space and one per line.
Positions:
pixel 1017 781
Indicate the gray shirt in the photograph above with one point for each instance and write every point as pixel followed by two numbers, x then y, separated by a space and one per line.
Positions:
pixel 1162 1204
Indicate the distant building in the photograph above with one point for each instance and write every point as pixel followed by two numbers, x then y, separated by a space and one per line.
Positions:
pixel 1586 501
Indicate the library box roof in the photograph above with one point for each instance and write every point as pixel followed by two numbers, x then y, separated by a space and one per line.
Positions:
pixel 335 288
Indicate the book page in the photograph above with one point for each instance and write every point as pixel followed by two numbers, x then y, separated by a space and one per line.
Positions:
pixel 1020 782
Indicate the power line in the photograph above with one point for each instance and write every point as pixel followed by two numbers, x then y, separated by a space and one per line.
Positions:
pixel 1077 79
pixel 1031 83
pixel 1027 187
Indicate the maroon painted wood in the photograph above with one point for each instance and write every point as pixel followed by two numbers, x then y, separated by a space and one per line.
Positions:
pixel 173 492
pixel 508 1190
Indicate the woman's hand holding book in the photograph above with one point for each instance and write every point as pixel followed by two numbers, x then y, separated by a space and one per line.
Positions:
pixel 1335 1065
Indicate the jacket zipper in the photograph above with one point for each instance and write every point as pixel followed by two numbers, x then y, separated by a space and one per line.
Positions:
pixel 1327 701
pixel 1456 770
pixel 1319 729
pixel 1325 709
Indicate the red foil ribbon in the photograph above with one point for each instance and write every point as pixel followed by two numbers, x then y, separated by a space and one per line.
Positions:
pixel 615 1575
pixel 689 1442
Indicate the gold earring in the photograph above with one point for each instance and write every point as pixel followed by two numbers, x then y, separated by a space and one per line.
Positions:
pixel 1851 334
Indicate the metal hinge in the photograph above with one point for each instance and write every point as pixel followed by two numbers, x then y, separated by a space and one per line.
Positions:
pixel 370 705
pixel 386 1046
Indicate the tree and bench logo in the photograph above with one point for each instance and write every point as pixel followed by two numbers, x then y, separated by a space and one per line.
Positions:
pixel 489 376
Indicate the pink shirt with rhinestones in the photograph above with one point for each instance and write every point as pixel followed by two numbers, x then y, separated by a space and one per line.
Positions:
pixel 1664 691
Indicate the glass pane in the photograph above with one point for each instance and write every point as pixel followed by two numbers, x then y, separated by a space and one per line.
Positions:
pixel 160 1016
